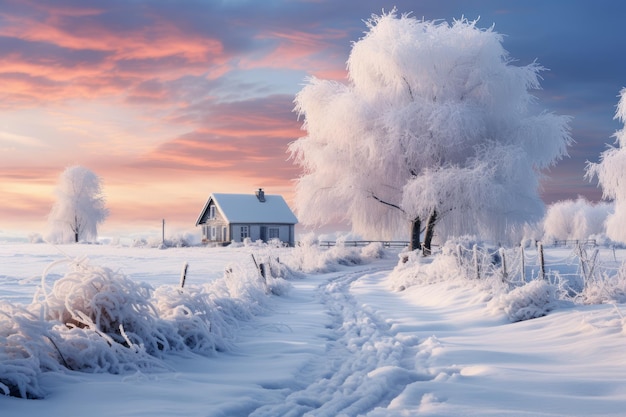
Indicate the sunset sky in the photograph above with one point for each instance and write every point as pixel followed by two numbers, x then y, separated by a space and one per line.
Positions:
pixel 168 101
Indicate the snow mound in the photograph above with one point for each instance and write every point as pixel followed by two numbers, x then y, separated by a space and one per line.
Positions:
pixel 530 301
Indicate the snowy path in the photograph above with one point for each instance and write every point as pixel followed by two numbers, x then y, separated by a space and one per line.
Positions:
pixel 365 366
pixel 437 351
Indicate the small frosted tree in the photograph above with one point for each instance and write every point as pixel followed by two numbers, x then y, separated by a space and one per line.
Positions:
pixel 611 173
pixel 575 219
pixel 79 208
pixel 434 127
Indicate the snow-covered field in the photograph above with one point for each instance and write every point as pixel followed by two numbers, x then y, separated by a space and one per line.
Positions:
pixel 347 332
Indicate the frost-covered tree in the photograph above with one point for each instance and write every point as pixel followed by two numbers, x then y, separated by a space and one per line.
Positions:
pixel 611 173
pixel 79 208
pixel 575 219
pixel 434 126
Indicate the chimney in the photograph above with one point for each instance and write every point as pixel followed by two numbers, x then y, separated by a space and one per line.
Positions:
pixel 260 194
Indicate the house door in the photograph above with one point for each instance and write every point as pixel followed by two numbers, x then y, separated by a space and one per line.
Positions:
pixel 264 233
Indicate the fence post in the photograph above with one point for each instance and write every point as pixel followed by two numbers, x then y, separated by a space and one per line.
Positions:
pixel 476 263
pixel 183 275
pixel 503 260
pixel 261 268
pixel 542 263
pixel 523 262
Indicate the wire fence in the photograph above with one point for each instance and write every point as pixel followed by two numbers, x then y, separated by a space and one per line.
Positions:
pixel 576 263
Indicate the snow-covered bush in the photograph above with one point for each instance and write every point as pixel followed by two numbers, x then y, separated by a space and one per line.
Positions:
pixel 95 319
pixel 374 250
pixel 139 242
pixel 110 303
pixel 309 257
pixel 604 288
pixel 20 367
pixel 35 238
pixel 529 301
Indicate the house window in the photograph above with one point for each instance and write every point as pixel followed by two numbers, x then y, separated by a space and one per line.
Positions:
pixel 273 233
pixel 245 232
pixel 211 212
pixel 205 231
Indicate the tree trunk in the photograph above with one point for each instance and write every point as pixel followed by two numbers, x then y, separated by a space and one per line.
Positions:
pixel 416 225
pixel 76 228
pixel 430 232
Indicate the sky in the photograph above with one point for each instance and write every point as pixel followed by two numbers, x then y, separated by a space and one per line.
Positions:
pixel 170 101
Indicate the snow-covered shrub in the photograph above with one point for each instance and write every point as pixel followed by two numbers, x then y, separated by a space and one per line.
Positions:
pixel 276 243
pixel 308 257
pixel 95 319
pixel 235 245
pixel 20 367
pixel 530 301
pixel 193 313
pixel 35 238
pixel 178 241
pixel 139 243
pixel 415 269
pixel 107 302
pixel 374 250
pixel 604 288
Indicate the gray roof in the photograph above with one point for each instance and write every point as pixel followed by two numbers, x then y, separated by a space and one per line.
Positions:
pixel 246 208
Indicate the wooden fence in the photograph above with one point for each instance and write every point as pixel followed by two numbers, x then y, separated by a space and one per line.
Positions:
pixel 571 242
pixel 357 243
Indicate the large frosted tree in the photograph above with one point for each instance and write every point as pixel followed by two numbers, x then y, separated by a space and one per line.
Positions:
pixel 611 173
pixel 434 126
pixel 79 208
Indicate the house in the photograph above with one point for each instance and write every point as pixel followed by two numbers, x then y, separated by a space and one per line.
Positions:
pixel 233 217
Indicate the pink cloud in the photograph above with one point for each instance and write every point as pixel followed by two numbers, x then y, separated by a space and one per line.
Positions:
pixel 302 51
pixel 76 53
